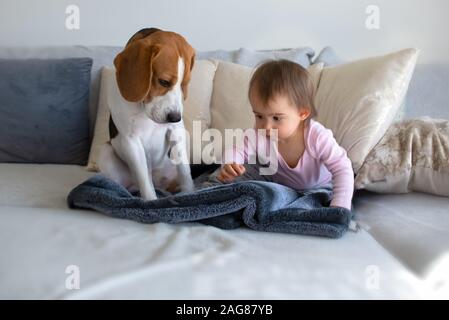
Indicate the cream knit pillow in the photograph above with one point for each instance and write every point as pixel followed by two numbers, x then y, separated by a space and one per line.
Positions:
pixel 412 155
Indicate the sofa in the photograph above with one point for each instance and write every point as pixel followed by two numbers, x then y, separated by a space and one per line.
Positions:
pixel 400 249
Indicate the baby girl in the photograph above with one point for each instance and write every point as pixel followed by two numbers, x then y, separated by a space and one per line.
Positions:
pixel 281 94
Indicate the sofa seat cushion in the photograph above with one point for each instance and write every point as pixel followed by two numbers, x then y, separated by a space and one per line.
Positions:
pixel 38 185
pixel 413 227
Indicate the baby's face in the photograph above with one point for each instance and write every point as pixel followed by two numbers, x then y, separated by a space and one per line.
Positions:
pixel 279 114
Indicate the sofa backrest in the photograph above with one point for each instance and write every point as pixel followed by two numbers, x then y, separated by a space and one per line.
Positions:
pixel 104 56
pixel 428 92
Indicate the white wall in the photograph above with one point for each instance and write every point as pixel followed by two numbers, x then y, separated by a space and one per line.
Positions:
pixel 230 24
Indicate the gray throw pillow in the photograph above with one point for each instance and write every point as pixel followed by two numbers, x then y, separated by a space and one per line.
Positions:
pixel 44 115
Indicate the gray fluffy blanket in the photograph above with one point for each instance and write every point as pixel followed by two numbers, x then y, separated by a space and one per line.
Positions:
pixel 259 205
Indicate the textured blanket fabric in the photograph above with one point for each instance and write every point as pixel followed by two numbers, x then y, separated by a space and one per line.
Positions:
pixel 259 205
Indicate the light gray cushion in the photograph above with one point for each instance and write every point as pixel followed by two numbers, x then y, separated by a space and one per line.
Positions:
pixel 428 93
pixel 328 57
pixel 252 58
pixel 224 55
pixel 44 110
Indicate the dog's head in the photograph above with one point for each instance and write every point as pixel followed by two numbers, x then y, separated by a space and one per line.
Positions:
pixel 154 68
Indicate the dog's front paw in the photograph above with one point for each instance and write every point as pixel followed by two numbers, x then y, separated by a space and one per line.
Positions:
pixel 148 196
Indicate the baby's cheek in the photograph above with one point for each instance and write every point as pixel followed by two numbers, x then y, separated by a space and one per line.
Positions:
pixel 285 131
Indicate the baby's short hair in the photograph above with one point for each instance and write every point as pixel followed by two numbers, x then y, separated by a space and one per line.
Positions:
pixel 283 77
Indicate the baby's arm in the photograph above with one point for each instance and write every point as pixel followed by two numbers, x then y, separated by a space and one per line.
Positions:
pixel 233 160
pixel 337 162
pixel 232 164
pixel 230 171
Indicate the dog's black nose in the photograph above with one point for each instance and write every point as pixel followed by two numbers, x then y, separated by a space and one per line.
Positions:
pixel 173 117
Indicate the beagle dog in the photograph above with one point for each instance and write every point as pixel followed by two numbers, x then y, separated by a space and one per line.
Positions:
pixel 146 105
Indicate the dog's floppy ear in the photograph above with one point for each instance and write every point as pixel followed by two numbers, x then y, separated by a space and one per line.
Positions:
pixel 134 69
pixel 192 60
pixel 188 71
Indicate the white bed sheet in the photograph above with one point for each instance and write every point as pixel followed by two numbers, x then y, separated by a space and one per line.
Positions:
pixel 40 237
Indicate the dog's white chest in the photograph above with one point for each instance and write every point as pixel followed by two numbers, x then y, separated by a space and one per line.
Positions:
pixel 153 137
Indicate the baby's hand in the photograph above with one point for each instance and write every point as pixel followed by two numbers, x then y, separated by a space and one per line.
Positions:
pixel 230 171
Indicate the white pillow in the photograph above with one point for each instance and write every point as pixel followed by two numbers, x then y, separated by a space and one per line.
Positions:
pixel 230 107
pixel 196 106
pixel 359 100
pixel 101 131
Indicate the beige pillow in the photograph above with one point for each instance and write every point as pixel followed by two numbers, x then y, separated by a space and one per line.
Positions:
pixel 359 100
pixel 101 131
pixel 196 106
pixel 413 155
pixel 230 107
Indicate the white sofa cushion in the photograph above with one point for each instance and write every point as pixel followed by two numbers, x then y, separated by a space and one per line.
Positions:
pixel 413 227
pixel 39 185
pixel 359 100
pixel 196 106
pixel 101 131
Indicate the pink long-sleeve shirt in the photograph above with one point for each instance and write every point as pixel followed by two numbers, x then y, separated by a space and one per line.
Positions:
pixel 322 162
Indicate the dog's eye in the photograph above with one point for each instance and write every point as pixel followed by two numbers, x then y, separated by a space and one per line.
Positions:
pixel 164 83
